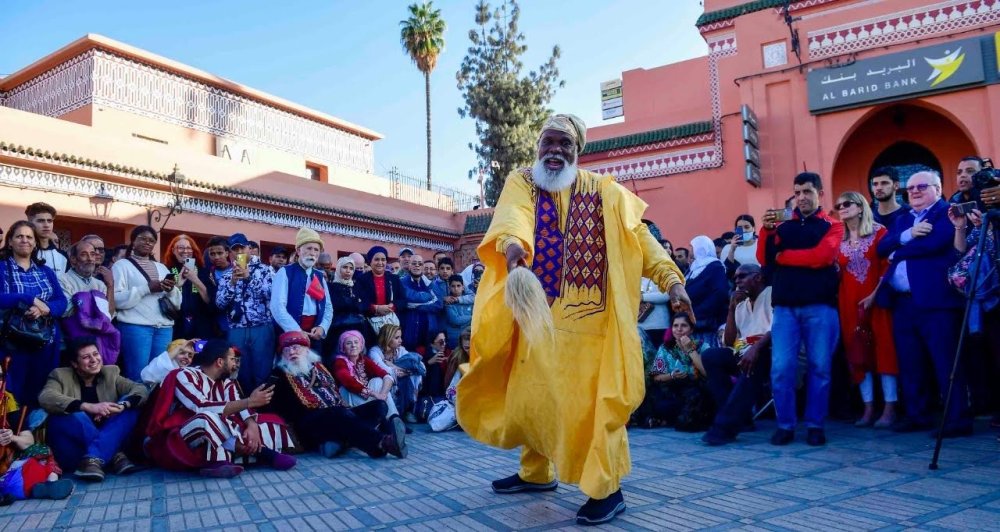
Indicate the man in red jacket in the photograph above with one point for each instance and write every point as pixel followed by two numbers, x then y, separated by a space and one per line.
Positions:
pixel 800 254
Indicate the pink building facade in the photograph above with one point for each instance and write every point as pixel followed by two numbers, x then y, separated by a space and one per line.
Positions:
pixel 97 127
pixel 841 106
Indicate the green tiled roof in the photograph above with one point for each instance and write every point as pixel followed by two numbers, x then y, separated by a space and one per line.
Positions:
pixel 477 223
pixel 648 137
pixel 735 11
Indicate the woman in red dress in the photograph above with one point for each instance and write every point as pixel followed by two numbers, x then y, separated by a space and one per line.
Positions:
pixel 860 274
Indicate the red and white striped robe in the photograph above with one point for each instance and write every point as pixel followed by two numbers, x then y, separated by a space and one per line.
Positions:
pixel 206 399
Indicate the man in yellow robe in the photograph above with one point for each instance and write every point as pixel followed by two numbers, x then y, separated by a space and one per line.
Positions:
pixel 566 404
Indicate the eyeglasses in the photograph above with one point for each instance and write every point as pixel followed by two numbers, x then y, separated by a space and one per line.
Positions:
pixel 917 188
pixel 844 205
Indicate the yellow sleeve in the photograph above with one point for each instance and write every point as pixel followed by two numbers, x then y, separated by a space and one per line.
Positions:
pixel 513 219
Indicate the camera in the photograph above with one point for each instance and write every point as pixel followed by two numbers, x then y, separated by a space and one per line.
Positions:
pixel 988 177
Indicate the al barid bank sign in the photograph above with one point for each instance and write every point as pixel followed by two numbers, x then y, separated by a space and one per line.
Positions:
pixel 936 68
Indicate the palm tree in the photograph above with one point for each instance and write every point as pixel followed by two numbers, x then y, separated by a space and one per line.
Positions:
pixel 422 37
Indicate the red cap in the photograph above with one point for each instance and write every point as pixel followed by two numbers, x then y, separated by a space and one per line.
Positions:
pixel 292 338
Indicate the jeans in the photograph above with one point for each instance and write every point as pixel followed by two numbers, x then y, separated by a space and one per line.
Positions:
pixel 735 401
pixel 256 345
pixel 817 327
pixel 73 437
pixel 140 344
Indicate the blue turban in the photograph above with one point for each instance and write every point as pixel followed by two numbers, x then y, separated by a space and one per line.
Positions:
pixel 374 250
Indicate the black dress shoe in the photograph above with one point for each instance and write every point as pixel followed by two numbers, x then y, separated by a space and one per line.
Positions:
pixel 908 425
pixel 782 437
pixel 597 511
pixel 815 437
pixel 514 484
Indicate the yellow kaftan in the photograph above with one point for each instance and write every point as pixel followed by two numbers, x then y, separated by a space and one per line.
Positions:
pixel 569 403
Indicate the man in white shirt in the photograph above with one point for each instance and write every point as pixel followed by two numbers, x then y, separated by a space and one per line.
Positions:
pixel 748 333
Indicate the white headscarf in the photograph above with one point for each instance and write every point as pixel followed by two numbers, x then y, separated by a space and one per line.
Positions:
pixel 703 250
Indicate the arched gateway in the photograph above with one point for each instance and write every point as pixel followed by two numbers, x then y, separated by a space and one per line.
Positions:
pixel 905 135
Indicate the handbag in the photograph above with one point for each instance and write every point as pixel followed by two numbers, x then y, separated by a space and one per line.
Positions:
pixel 442 417
pixel 24 333
pixel 377 322
pixel 861 345
pixel 645 309
pixel 167 307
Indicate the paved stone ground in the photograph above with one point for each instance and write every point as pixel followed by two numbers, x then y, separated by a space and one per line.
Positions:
pixel 861 480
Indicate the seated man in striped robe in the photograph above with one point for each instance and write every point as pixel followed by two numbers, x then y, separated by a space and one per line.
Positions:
pixel 200 421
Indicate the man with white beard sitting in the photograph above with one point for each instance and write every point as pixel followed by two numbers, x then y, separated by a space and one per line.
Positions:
pixel 306 395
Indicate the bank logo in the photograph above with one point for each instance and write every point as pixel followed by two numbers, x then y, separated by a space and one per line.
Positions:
pixel 945 66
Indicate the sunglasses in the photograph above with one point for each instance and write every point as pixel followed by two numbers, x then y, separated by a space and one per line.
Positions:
pixel 917 188
pixel 844 205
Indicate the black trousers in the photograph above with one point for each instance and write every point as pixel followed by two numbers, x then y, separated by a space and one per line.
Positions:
pixel 354 427
pixel 735 400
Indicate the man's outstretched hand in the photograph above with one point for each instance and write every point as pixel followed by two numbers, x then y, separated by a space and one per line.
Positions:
pixel 680 302
pixel 516 256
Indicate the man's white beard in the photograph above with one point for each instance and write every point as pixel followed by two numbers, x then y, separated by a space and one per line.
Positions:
pixel 308 262
pixel 301 367
pixel 553 181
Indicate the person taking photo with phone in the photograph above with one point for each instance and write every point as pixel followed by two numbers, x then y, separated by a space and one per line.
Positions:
pixel 801 253
pixel 742 248
pixel 184 259
pixel 147 297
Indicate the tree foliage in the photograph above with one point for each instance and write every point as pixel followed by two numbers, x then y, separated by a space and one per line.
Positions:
pixel 507 105
pixel 422 37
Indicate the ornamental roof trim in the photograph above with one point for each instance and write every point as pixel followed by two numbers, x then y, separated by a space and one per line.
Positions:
pixel 648 137
pixel 95 41
pixel 194 185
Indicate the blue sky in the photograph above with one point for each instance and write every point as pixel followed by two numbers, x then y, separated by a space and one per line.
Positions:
pixel 344 57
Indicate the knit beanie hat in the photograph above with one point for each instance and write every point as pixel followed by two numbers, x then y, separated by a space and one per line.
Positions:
pixel 305 236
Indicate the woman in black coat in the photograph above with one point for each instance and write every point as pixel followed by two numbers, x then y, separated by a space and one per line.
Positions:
pixel 381 293
pixel 348 310
pixel 708 288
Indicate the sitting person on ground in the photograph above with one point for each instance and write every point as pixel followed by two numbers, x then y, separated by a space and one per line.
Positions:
pixel 306 396
pixel 200 421
pixel 747 357
pixel 348 309
pixel 28 470
pixel 436 356
pixel 459 356
pixel 675 395
pixel 361 379
pixel 457 309
pixel 708 288
pixel 407 368
pixel 92 410
pixel 179 354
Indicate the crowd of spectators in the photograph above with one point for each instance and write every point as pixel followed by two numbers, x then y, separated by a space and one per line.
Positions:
pixel 812 305
pixel 212 359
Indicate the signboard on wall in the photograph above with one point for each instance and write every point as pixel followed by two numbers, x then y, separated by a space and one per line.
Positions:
pixel 751 145
pixel 934 68
pixel 612 105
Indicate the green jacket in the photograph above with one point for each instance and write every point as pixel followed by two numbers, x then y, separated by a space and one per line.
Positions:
pixel 62 392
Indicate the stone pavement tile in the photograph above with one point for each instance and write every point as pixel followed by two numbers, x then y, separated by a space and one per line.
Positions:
pixel 28 521
pixel 279 490
pixel 534 514
pixel 744 503
pixel 138 525
pixel 811 489
pixel 118 495
pixel 456 522
pixel 226 516
pixel 95 515
pixel 738 474
pixel 969 519
pixel 734 455
pixel 862 476
pixel 340 520
pixel 841 456
pixel 976 474
pixel 396 511
pixel 908 465
pixel 180 502
pixel 821 518
pixel 957 454
pixel 683 463
pixel 677 487
pixel 296 505
pixel 791 465
pixel 474 499
pixel 679 516
pixel 943 490
pixel 379 493
pixel 889 506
